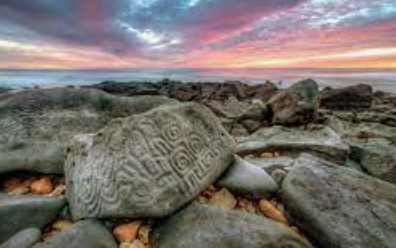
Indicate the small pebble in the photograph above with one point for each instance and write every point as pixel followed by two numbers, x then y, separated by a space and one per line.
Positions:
pixel 135 244
pixel 62 225
pixel 223 199
pixel 144 233
pixel 128 232
pixel 271 212
pixel 42 186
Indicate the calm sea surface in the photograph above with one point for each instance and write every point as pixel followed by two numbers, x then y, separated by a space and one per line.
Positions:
pixel 383 79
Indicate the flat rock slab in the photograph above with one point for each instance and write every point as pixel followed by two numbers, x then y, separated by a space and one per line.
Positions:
pixel 147 165
pixel 247 179
pixel 23 239
pixel 37 124
pixel 340 207
pixel 324 143
pixel 209 227
pixel 20 212
pixel 84 234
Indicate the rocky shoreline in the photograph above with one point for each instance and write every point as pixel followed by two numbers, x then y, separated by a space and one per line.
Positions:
pixel 201 165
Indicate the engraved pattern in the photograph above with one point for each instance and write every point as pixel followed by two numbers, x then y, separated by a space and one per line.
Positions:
pixel 134 164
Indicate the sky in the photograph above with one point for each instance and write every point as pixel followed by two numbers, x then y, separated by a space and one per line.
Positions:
pixel 91 34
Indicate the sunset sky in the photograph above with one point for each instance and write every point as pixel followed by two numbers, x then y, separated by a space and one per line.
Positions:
pixel 78 34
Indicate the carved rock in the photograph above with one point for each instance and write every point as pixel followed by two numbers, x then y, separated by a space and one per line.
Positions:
pixel 37 124
pixel 147 165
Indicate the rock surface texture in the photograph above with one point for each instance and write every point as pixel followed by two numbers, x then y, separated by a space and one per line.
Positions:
pixel 209 227
pixel 23 239
pixel 340 207
pixel 37 124
pixel 147 165
pixel 20 212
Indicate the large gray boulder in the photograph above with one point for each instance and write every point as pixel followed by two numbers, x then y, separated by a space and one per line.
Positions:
pixel 21 212
pixel 296 105
pixel 340 207
pixel 377 156
pixel 23 239
pixel 323 142
pixel 209 227
pixel 37 124
pixel 247 179
pixel 147 165
pixel 84 234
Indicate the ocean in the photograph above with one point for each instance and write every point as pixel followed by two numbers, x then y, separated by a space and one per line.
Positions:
pixel 380 79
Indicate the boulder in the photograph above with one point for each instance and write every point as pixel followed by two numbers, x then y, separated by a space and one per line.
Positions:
pixel 376 156
pixel 323 142
pixel 4 89
pixel 23 239
pixel 340 207
pixel 147 165
pixel 349 98
pixel 20 212
pixel 247 179
pixel 296 105
pixel 209 227
pixel 87 234
pixel 37 124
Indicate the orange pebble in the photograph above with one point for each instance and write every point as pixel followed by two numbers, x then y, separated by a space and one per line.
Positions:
pixel 126 233
pixel 270 211
pixel 42 186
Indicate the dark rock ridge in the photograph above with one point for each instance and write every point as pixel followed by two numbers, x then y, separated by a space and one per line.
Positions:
pixel 340 207
pixel 147 165
pixel 209 227
pixel 355 97
pixel 190 90
pixel 37 124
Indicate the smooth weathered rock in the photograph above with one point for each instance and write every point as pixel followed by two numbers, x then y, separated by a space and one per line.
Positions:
pixel 376 156
pixel 147 165
pixel 23 239
pixel 20 212
pixel 324 143
pixel 208 227
pixel 296 105
pixel 340 207
pixel 37 124
pixel 84 234
pixel 349 98
pixel 247 179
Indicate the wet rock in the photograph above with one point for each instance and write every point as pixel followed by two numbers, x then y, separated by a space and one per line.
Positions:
pixel 324 143
pixel 208 227
pixel 349 98
pixel 37 124
pixel 23 239
pixel 296 105
pixel 87 234
pixel 20 212
pixel 376 156
pixel 247 179
pixel 340 207
pixel 147 165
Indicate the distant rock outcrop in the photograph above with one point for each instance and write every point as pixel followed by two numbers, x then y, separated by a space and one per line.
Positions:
pixel 349 98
